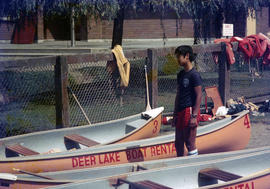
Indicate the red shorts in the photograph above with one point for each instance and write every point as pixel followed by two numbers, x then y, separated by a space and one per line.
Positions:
pixel 183 118
pixel 185 135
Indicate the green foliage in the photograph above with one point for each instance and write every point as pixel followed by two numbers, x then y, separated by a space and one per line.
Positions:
pixel 23 8
pixel 171 66
pixel 201 11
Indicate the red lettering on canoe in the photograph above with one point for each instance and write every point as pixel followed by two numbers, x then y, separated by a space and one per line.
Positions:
pixel 252 183
pixel 144 152
pixel 246 121
pixel 163 149
pixel 158 150
pixel 99 159
pixel 106 159
pixel 153 151
pixel 240 186
pixel 87 160
pixel 74 162
pixel 117 157
pixel 173 148
pixel 112 157
pixel 247 185
pixel 155 127
pixel 81 163
pixel 93 160
pixel 128 155
pixel 134 154
pixel 169 147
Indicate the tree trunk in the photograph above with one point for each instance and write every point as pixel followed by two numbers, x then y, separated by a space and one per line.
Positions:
pixel 197 31
pixel 118 25
pixel 72 28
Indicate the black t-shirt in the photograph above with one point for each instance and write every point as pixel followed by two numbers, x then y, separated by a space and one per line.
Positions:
pixel 186 81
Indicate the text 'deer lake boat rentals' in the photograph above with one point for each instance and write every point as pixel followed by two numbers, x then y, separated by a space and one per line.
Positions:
pixel 47 179
pixel 140 126
pixel 228 134
pixel 240 172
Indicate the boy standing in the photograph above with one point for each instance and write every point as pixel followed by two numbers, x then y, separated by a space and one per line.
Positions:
pixel 187 102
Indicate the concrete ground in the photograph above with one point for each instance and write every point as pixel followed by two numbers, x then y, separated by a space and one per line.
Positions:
pixel 260 133
pixel 63 47
pixel 103 44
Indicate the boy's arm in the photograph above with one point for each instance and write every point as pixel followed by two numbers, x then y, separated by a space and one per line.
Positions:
pixel 196 107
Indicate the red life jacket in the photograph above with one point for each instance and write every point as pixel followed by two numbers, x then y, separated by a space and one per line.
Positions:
pixel 244 46
pixel 266 56
pixel 255 42
pixel 229 50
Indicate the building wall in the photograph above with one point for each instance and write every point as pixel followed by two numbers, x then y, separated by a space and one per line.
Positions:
pixel 136 26
pixel 143 29
pixel 262 21
pixel 6 30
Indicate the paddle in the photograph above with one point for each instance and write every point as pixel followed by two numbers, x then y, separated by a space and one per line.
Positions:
pixel 148 107
pixel 33 174
pixel 79 104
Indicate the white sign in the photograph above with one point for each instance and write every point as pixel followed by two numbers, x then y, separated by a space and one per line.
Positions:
pixel 227 30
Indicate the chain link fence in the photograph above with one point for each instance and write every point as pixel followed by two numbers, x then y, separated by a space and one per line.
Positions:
pixel 27 93
pixel 249 78
pixel 167 76
pixel 26 99
pixel 99 94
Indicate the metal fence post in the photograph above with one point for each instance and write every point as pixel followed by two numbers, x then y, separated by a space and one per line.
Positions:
pixel 152 76
pixel 224 82
pixel 61 92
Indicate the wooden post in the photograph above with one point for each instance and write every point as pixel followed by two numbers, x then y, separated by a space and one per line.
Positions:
pixel 224 82
pixel 61 92
pixel 72 27
pixel 152 69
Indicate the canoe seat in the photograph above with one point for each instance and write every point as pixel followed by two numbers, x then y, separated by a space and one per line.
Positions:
pixel 142 184
pixel 20 150
pixel 139 167
pixel 130 126
pixel 218 174
pixel 75 138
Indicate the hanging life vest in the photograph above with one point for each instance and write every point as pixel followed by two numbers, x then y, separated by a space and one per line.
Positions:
pixel 229 50
pixel 122 64
pixel 244 46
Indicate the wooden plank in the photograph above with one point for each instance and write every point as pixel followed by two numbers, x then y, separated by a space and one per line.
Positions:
pixel 132 54
pixel 19 149
pixel 107 56
pixel 76 59
pixel 151 185
pixel 224 82
pixel 152 69
pixel 196 48
pixel 29 62
pixel 141 184
pixel 81 140
pixel 61 93
pixel 259 99
pixel 213 173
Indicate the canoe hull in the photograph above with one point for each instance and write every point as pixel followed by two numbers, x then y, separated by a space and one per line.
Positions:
pixel 237 136
pixel 151 129
pixel 250 168
pixel 234 137
pixel 260 181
